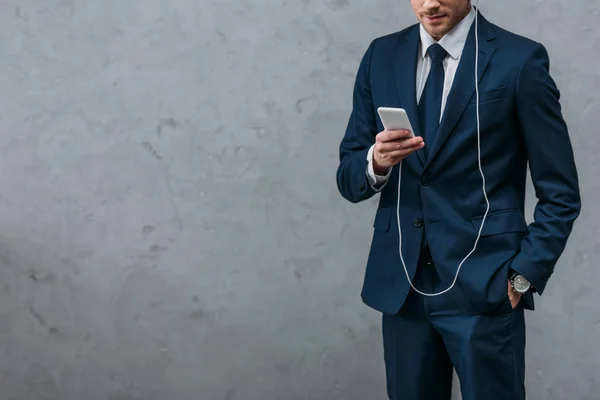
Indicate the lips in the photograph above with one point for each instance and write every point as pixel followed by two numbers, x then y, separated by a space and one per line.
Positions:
pixel 434 18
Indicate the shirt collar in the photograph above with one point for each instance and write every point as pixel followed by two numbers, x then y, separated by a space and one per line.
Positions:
pixel 454 41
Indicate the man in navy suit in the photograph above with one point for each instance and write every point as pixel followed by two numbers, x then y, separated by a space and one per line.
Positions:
pixel 477 326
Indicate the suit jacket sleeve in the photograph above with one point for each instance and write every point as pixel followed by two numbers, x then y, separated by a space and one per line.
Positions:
pixel 552 168
pixel 352 180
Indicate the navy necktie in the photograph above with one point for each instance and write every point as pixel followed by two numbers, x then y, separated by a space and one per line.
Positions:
pixel 430 104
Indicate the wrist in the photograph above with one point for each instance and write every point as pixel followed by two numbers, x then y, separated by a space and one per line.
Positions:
pixel 378 168
pixel 519 282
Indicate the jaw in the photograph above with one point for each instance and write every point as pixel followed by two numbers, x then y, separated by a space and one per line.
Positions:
pixel 437 29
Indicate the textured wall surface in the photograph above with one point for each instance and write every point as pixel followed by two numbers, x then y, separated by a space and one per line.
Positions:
pixel 170 226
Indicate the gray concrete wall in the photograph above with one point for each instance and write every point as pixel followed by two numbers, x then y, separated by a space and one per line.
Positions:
pixel 169 222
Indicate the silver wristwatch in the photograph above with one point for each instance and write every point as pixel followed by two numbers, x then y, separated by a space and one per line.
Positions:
pixel 519 283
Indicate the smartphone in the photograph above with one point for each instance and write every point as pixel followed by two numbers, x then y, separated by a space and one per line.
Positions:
pixel 395 119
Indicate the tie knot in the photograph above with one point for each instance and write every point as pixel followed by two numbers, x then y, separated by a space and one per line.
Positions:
pixel 437 53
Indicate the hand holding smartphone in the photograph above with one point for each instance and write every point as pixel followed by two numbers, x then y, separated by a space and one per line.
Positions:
pixel 396 142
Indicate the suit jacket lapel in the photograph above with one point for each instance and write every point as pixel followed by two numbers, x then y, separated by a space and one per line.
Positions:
pixel 406 75
pixel 463 86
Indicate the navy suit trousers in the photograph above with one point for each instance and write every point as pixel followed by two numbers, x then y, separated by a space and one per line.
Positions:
pixel 430 336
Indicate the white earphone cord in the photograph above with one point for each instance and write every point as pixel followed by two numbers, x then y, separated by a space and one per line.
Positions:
pixel 480 170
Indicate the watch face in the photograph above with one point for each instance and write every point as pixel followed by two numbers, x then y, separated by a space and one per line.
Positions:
pixel 521 284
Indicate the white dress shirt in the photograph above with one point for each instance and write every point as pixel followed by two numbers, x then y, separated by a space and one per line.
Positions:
pixel 453 42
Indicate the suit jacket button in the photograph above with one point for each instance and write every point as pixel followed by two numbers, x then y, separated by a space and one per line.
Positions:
pixel 418 222
pixel 362 186
pixel 424 181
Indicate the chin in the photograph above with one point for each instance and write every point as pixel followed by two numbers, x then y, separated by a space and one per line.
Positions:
pixel 437 32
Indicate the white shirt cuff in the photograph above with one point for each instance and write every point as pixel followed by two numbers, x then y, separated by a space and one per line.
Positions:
pixel 377 182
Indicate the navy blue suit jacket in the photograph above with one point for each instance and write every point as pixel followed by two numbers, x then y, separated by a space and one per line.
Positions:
pixel 521 125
